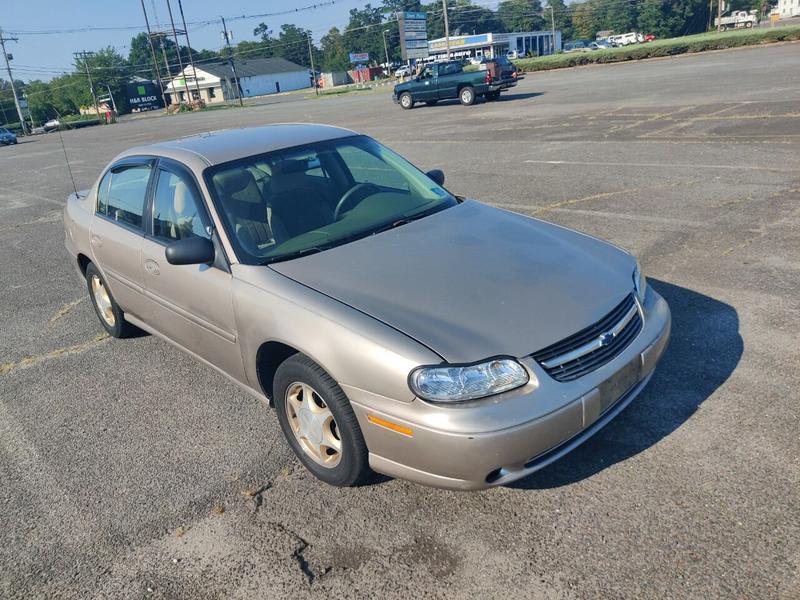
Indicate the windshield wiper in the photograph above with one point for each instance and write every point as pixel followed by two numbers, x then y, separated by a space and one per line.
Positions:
pixel 403 221
pixel 298 254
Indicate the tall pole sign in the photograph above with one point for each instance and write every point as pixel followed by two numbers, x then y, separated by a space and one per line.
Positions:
pixel 413 34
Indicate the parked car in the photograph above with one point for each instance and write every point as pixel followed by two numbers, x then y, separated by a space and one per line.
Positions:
pixel 576 46
pixel 649 37
pixel 513 55
pixel 625 39
pixel 404 71
pixel 445 80
pixel 52 124
pixel 599 46
pixel 6 137
pixel 475 60
pixel 392 325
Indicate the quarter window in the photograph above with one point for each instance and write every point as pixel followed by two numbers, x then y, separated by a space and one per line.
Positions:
pixel 176 209
pixel 102 194
pixel 126 194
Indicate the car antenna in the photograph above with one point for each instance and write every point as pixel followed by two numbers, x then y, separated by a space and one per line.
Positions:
pixel 66 158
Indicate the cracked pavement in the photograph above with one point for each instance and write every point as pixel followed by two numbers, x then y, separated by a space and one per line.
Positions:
pixel 128 470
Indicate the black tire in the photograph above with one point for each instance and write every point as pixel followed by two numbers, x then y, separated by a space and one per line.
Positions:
pixel 406 101
pixel 431 102
pixel 353 466
pixel 748 25
pixel 120 327
pixel 466 95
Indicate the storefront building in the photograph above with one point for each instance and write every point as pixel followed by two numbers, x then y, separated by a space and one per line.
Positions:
pixel 492 45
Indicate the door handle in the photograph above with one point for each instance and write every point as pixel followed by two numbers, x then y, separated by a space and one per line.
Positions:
pixel 151 266
pixel 95 241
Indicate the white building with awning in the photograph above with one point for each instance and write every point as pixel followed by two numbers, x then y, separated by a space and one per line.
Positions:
pixel 256 77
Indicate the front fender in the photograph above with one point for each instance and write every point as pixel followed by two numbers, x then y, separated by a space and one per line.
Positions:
pixel 355 349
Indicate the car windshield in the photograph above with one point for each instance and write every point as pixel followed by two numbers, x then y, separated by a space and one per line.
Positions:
pixel 293 202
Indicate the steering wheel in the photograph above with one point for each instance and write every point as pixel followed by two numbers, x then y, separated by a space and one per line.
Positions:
pixel 353 196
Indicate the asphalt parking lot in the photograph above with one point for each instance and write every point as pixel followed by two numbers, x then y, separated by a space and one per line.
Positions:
pixel 129 470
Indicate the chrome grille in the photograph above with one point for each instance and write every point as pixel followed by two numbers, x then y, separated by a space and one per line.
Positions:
pixel 591 348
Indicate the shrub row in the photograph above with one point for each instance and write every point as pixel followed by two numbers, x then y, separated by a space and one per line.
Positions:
pixel 668 47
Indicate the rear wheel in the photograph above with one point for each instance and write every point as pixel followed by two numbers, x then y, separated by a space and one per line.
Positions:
pixel 406 101
pixel 111 316
pixel 467 96
pixel 749 25
pixel 319 423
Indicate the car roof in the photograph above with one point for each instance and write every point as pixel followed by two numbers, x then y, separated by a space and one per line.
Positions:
pixel 215 147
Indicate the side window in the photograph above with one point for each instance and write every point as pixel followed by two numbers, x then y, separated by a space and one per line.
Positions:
pixel 126 194
pixel 176 209
pixel 102 194
pixel 368 168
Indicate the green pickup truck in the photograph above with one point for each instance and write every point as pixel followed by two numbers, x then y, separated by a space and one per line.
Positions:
pixel 446 80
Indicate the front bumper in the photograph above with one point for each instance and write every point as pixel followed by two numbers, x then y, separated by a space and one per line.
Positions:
pixel 497 440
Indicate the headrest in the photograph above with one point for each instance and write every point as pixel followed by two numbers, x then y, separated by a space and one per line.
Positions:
pixel 290 166
pixel 179 200
pixel 233 181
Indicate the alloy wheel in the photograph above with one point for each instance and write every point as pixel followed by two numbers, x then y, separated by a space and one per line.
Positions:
pixel 313 425
pixel 103 301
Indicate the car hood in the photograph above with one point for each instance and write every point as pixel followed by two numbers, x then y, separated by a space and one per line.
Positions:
pixel 472 281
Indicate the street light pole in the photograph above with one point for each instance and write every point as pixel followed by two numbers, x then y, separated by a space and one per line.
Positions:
pixel 311 59
pixel 553 27
pixel 386 50
pixel 446 29
pixel 3 41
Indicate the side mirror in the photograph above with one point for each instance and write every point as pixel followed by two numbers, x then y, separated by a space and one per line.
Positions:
pixel 437 175
pixel 191 251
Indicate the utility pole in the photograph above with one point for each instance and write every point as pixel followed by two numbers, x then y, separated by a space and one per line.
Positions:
pixel 85 56
pixel 189 45
pixel 155 60
pixel 386 50
pixel 178 52
pixel 719 16
pixel 3 41
pixel 227 35
pixel 446 29
pixel 311 58
pixel 553 27
pixel 110 95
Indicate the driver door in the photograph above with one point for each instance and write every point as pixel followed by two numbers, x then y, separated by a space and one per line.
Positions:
pixel 427 85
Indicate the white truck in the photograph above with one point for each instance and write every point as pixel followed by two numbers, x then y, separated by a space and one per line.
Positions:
pixel 737 20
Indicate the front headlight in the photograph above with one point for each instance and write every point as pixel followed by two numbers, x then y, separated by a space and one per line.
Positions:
pixel 639 283
pixel 459 383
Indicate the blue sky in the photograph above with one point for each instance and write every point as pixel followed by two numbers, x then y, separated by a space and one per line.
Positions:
pixel 44 56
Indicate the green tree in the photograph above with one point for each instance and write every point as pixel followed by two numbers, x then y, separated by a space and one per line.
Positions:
pixel 363 32
pixel 584 25
pixel 334 53
pixel 521 15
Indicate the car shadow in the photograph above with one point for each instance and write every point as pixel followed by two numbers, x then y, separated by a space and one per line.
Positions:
pixel 505 97
pixel 704 349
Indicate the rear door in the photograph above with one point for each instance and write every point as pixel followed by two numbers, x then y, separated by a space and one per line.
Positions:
pixel 190 304
pixel 117 230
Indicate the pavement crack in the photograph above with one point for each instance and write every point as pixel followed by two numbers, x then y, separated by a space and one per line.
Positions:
pixel 299 552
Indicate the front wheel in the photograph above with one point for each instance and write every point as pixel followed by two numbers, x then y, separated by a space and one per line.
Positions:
pixel 319 423
pixel 406 101
pixel 467 96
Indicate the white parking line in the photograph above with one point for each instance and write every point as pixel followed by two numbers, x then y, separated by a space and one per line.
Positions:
pixel 658 165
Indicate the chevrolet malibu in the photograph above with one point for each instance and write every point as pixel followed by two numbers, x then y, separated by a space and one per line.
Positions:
pixel 394 326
